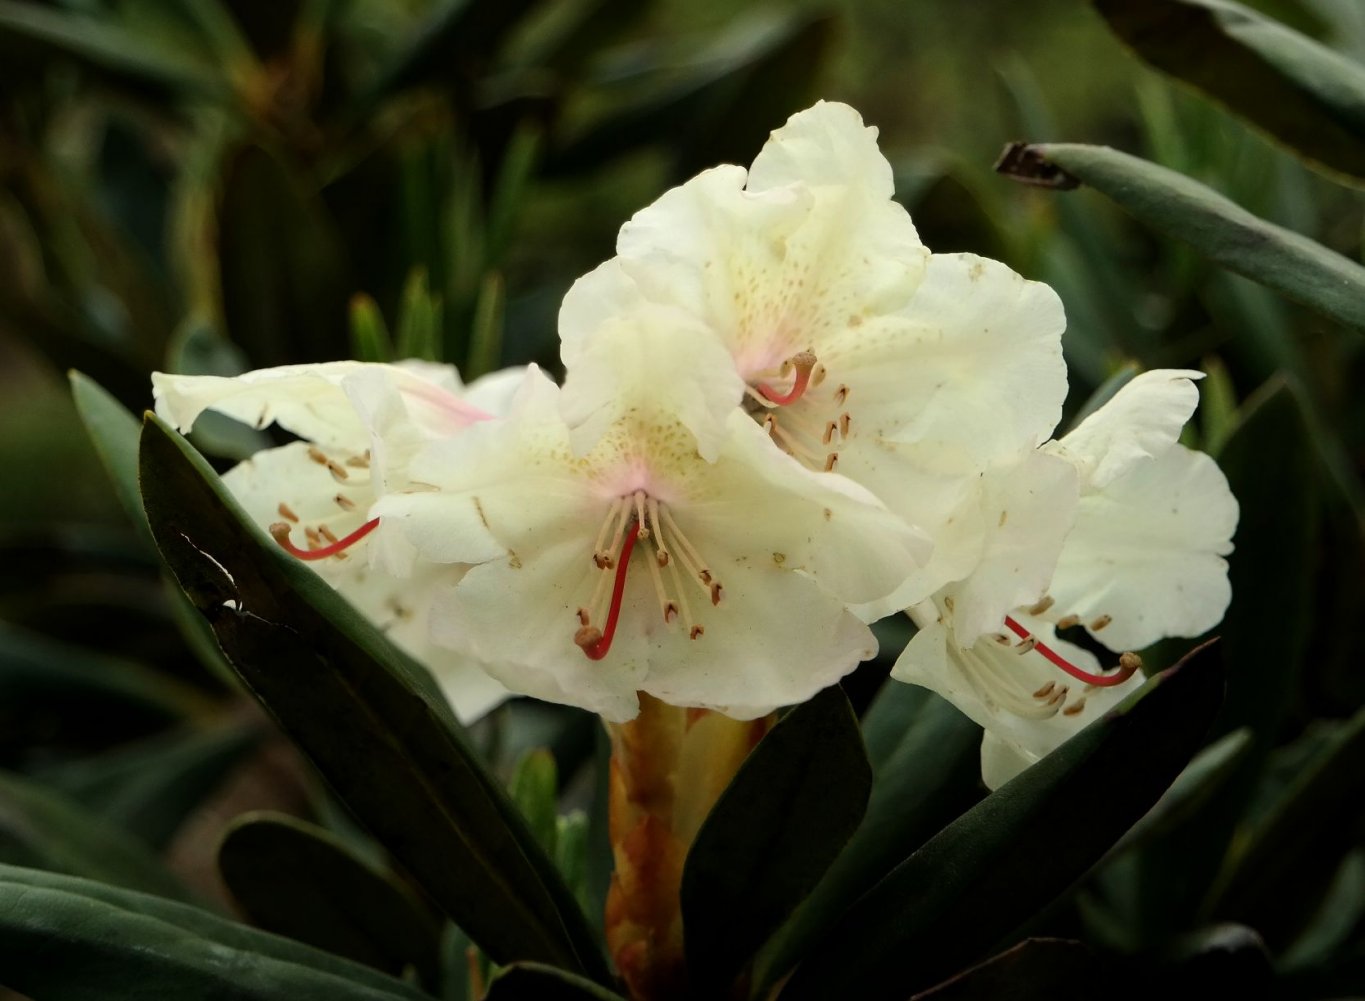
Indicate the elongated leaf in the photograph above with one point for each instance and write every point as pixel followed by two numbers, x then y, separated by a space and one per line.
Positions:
pixel 1282 866
pixel 113 431
pixel 371 719
pixel 45 830
pixel 111 47
pixel 72 938
pixel 793 805
pixel 1305 95
pixel 1037 969
pixel 1019 848
pixel 926 771
pixel 38 673
pixel 1223 231
pixel 150 788
pixel 294 878
pixel 289 305
pixel 536 982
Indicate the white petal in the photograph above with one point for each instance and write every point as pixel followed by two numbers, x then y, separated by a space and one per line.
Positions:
pixel 1142 420
pixel 493 393
pixel 775 640
pixel 309 400
pixel 826 144
pixel 483 493
pixel 646 355
pixel 1148 551
pixel 283 482
pixel 989 682
pixel 1001 761
pixel 761 506
pixel 520 619
pixel 974 360
pixel 1027 507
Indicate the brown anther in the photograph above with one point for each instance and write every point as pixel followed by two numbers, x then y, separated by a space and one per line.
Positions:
pixel 587 637
pixel 661 557
pixel 1045 691
pixel 1025 646
pixel 344 502
pixel 828 436
pixel 311 534
pixel 840 395
pixel 317 455
pixel 603 561
pixel 1002 639
pixel 338 471
pixel 844 421
pixel 287 512
pixel 831 461
pixel 1100 623
pixel 716 591
pixel 1068 621
pixel 358 462
pixel 1042 606
pixel 948 603
pixel 583 617
pixel 705 575
pixel 1075 707
pixel 670 611
pixel 769 424
pixel 695 631
pixel 817 374
pixel 1059 696
pixel 327 533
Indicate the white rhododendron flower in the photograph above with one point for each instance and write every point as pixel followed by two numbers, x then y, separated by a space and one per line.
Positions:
pixel 658 551
pixel 855 349
pixel 1143 560
pixel 360 423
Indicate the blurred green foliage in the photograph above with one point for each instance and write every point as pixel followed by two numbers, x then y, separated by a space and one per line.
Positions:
pixel 215 186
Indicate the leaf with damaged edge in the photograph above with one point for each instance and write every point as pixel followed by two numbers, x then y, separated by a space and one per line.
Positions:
pixel 368 716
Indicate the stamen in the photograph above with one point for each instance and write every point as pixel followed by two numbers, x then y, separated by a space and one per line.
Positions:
pixel 817 375
pixel 803 362
pixel 1075 707
pixel 1068 622
pixel 287 513
pixel 666 605
pixel 693 630
pixel 318 455
pixel 327 534
pixel 359 461
pixel 1128 663
pixel 602 557
pixel 1042 606
pixel 338 471
pixel 1100 622
pixel 1045 691
pixel 660 544
pixel 844 421
pixel 595 642
pixel 344 502
pixel 641 526
pixel 831 462
pixel 840 395
pixel 280 533
pixel 691 559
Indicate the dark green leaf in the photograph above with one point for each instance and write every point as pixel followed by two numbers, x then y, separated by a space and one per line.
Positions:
pixel 1037 969
pixel 111 47
pixel 62 937
pixel 419 320
pixel 485 339
pixel 370 339
pixel 288 305
pixel 537 982
pixel 39 672
pixel 1282 866
pixel 534 789
pixel 371 719
pixel 926 771
pixel 295 879
pixel 44 830
pixel 1302 93
pixel 150 788
pixel 1011 854
pixel 1177 206
pixel 113 431
pixel 720 107
pixel 792 806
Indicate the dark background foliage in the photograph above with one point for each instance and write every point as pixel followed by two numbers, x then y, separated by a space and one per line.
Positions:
pixel 214 187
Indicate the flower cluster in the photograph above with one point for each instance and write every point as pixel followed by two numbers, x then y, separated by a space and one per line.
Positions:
pixel 783 418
